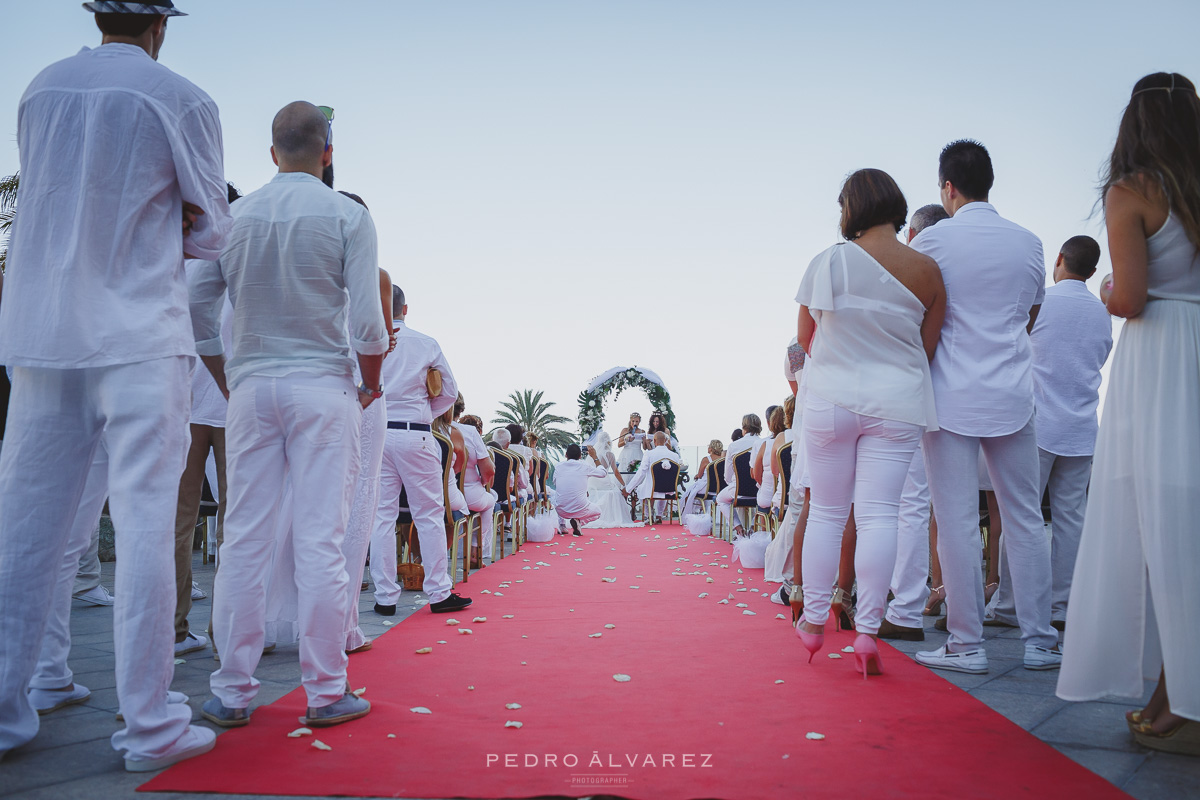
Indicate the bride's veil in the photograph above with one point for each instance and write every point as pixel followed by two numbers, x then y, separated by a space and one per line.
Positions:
pixel 604 448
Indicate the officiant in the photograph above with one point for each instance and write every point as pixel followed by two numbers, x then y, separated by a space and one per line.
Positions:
pixel 630 443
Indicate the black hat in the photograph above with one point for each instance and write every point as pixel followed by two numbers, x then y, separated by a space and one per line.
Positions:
pixel 165 8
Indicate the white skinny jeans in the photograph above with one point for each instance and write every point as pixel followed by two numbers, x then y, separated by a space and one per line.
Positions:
pixel 853 459
pixel 302 429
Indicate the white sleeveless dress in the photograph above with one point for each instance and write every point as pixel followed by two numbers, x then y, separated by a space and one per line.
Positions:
pixel 631 452
pixel 1135 596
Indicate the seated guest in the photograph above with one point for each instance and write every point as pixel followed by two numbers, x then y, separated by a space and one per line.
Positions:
pixel 871 312
pixel 643 478
pixel 715 450
pixel 570 481
pixel 747 440
pixel 516 444
pixel 764 467
pixel 480 471
pixel 456 501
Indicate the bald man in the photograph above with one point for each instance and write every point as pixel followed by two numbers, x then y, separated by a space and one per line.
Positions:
pixel 301 272
pixel 643 480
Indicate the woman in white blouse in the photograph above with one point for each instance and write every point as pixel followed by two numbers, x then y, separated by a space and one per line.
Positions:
pixel 871 312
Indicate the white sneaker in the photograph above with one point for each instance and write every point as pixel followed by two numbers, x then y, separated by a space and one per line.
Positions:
pixel 191 644
pixel 98 596
pixel 194 741
pixel 778 597
pixel 973 662
pixel 197 592
pixel 48 700
pixel 1042 657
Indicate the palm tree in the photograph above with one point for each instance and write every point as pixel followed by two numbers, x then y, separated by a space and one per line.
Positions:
pixel 531 413
pixel 8 208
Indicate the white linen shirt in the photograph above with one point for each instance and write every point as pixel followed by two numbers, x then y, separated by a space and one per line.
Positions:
pixel 297 250
pixel 476 449
pixel 403 376
pixel 658 453
pixel 112 143
pixel 570 484
pixel 748 442
pixel 982 373
pixel 1071 341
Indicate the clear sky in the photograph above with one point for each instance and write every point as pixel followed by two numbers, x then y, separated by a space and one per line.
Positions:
pixel 562 187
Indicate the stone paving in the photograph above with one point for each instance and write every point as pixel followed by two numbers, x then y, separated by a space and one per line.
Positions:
pixel 72 757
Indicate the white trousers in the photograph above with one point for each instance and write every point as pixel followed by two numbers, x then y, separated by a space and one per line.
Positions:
pixel 56 420
pixel 52 671
pixel 1067 478
pixel 412 460
pixel 301 429
pixel 589 513
pixel 484 501
pixel 952 463
pixel 361 521
pixel 910 589
pixel 859 460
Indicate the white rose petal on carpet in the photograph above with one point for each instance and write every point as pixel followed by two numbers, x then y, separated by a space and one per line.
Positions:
pixel 317 743
pixel 512 706
pixel 479 619
pixel 514 724
pixel 424 651
pixel 420 710
pixel 816 737
pixel 621 678
pixel 296 734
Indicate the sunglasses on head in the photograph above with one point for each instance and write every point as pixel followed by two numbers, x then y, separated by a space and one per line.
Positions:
pixel 328 112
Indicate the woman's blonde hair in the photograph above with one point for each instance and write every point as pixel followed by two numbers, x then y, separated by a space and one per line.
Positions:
pixel 716 447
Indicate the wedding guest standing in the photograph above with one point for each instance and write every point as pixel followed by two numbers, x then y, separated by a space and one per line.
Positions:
pixel 1139 549
pixel 412 461
pixel 116 151
pixel 303 280
pixel 983 382
pixel 913 532
pixel 871 314
pixel 1071 341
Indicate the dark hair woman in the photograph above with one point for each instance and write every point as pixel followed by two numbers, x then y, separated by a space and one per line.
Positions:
pixel 1139 530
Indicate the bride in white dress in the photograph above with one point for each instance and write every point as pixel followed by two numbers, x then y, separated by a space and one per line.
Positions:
pixel 608 493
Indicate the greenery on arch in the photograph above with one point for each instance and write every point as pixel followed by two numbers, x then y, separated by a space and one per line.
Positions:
pixel 592 399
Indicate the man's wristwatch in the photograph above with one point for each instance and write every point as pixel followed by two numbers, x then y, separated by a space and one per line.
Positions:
pixel 374 394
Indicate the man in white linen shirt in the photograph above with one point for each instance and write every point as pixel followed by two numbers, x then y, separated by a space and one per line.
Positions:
pixel 570 486
pixel 116 150
pixel 412 461
pixel 903 618
pixel 1071 341
pixel 983 385
pixel 303 280
pixel 643 478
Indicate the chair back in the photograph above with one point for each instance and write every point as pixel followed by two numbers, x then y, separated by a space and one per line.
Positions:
pixel 664 477
pixel 784 453
pixel 745 487
pixel 447 448
pixel 719 467
pixel 503 470
pixel 711 486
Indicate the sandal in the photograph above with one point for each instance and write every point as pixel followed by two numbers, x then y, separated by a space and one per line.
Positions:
pixel 937 600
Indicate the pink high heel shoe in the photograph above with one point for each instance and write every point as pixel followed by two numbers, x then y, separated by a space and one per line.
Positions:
pixel 812 642
pixel 866 656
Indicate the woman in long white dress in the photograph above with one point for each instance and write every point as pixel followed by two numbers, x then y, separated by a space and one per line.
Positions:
pixel 1135 596
pixel 630 443
pixel 609 492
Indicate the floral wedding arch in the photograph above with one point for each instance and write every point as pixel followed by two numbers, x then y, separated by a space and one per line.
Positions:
pixel 615 381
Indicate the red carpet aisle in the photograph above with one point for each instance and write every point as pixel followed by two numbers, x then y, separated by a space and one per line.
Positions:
pixel 718 702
